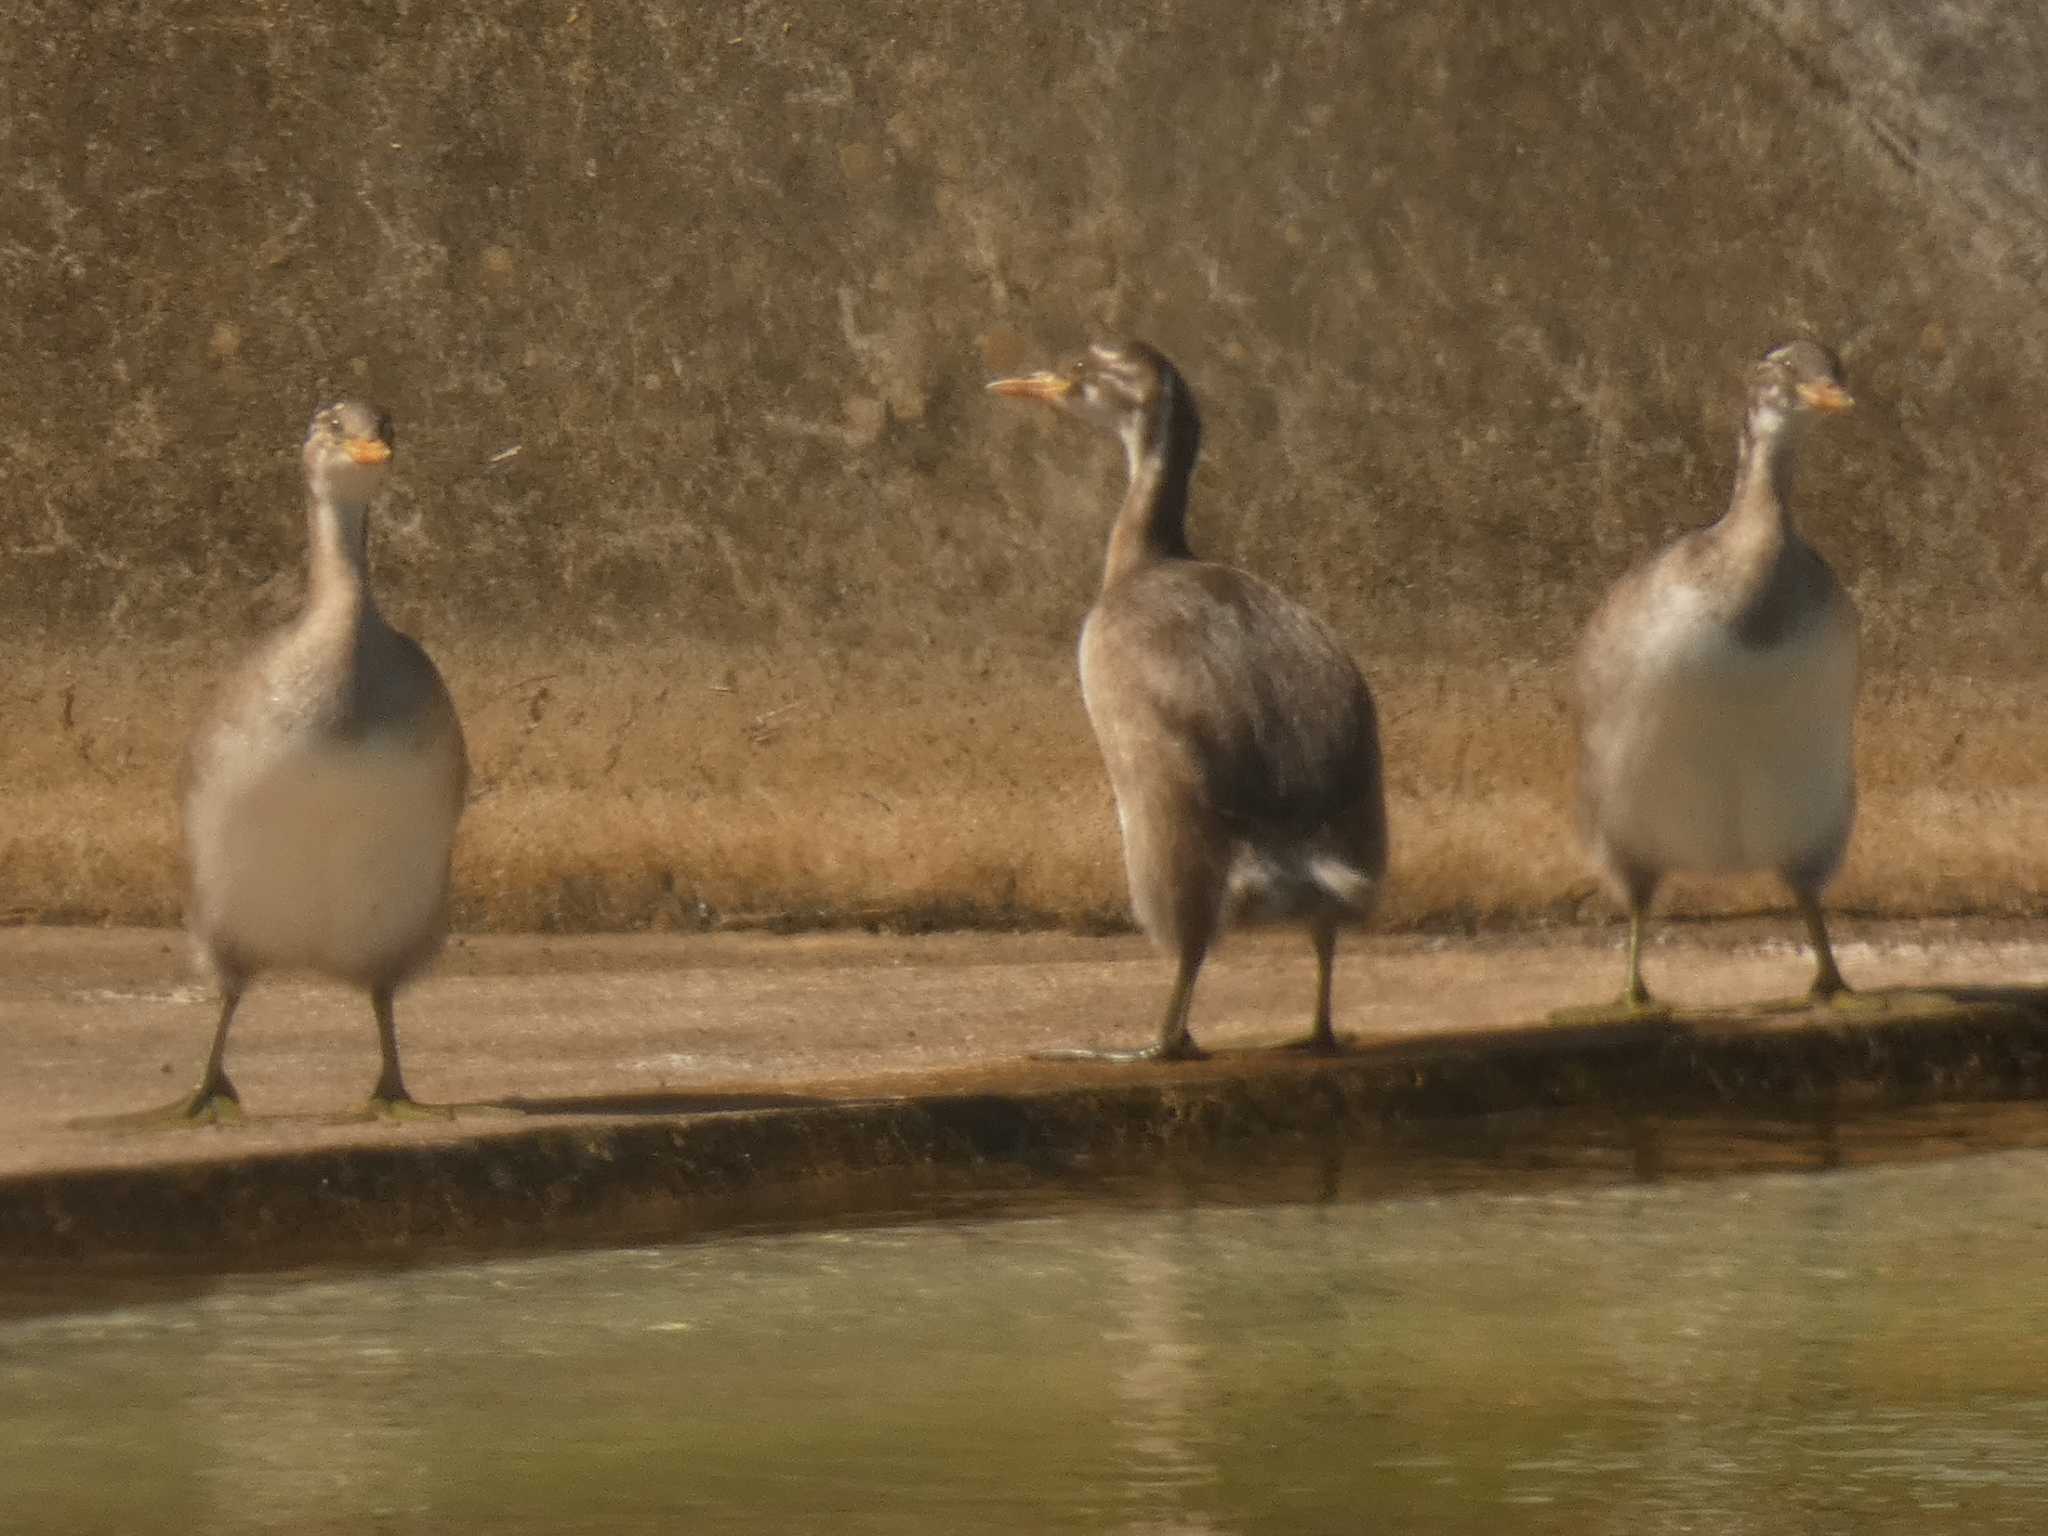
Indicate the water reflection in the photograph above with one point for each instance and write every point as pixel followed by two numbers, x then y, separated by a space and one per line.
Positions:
pixel 1853 1351
pixel 300 1405
pixel 1161 1374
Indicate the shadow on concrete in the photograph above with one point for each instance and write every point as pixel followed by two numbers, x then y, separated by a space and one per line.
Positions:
pixel 2029 999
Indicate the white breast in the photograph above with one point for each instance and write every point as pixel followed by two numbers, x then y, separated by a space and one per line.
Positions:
pixel 333 858
pixel 1713 755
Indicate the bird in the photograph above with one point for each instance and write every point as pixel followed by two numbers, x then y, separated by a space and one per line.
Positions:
pixel 1715 690
pixel 1240 739
pixel 322 785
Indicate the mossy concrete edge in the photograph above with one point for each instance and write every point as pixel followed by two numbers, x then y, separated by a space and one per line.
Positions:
pixel 599 1175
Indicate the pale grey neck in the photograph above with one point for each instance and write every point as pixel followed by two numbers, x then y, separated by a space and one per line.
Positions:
pixel 1763 475
pixel 338 563
pixel 1152 523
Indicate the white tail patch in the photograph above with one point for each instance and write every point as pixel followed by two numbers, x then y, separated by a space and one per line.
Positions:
pixel 1348 886
pixel 1265 886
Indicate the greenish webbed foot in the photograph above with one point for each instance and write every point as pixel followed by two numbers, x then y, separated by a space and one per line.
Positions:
pixel 1846 1001
pixel 1186 1051
pixel 1626 1009
pixel 1923 1000
pixel 213 1102
pixel 1318 1044
pixel 1828 994
pixel 199 1107
pixel 403 1108
pixel 202 1108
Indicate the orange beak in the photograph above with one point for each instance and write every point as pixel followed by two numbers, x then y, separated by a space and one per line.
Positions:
pixel 368 450
pixel 1049 387
pixel 1830 398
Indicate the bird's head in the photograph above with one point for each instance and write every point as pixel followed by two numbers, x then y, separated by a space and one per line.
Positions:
pixel 348 448
pixel 1125 388
pixel 1796 380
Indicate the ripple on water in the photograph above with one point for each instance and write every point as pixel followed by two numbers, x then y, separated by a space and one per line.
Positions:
pixel 1862 1347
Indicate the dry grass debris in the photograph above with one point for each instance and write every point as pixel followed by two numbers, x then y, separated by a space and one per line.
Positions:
pixel 693 788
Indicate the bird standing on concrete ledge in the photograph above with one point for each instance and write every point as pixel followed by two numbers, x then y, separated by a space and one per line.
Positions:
pixel 1716 690
pixel 322 788
pixel 1239 737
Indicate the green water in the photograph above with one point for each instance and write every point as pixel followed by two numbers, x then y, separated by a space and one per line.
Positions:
pixel 1854 1351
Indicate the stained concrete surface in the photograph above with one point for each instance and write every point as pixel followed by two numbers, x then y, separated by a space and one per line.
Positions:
pixel 97 1023
pixel 596 1074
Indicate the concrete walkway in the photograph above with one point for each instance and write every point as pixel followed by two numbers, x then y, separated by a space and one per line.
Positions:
pixel 591 1032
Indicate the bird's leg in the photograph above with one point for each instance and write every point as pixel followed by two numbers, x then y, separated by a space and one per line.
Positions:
pixel 1635 1005
pixel 1827 977
pixel 1322 1038
pixel 1175 1043
pixel 1830 990
pixel 1633 993
pixel 389 1100
pixel 215 1099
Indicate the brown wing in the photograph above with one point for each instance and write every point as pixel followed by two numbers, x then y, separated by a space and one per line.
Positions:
pixel 1207 675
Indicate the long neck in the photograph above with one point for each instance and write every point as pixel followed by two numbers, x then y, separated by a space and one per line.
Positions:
pixel 338 535
pixel 1759 512
pixel 1152 526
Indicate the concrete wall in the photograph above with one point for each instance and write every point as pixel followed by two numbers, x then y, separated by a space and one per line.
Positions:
pixel 757 607
pixel 1466 289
